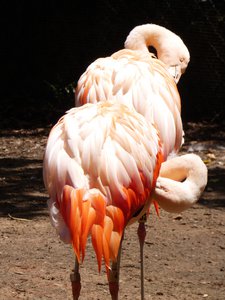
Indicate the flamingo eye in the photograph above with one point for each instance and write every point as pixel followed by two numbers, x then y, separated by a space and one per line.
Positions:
pixel 153 50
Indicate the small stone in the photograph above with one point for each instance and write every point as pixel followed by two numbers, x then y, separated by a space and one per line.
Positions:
pixel 179 217
pixel 211 156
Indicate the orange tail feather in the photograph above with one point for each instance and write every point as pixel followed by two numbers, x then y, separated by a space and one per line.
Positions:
pixel 97 242
pixel 85 212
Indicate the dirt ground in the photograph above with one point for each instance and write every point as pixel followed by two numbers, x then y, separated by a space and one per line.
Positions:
pixel 184 254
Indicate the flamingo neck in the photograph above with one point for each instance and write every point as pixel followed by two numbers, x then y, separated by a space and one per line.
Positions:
pixel 143 36
pixel 180 183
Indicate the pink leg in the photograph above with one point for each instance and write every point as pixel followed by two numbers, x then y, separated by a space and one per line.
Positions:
pixel 114 276
pixel 141 235
pixel 75 281
pixel 114 281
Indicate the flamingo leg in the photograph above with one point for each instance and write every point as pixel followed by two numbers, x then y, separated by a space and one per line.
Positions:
pixel 114 275
pixel 141 235
pixel 75 281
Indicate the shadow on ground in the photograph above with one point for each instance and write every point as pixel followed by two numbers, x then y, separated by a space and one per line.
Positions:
pixel 22 191
pixel 214 195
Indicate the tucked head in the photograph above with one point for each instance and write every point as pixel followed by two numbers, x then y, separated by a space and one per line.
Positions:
pixel 175 55
pixel 170 48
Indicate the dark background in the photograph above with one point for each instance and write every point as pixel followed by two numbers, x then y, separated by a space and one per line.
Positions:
pixel 47 45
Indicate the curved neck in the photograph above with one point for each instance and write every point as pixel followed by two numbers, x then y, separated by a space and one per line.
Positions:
pixel 171 192
pixel 187 167
pixel 143 36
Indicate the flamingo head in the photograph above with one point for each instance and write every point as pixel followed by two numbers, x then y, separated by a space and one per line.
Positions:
pixel 175 57
pixel 170 48
pixel 181 182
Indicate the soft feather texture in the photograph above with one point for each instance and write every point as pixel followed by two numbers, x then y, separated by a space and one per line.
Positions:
pixel 181 182
pixel 170 48
pixel 138 81
pixel 100 166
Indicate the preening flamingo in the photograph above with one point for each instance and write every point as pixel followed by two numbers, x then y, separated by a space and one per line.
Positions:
pixel 100 168
pixel 135 77
pixel 102 160
pixel 139 79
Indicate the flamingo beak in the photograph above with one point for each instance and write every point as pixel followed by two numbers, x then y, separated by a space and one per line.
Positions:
pixel 175 71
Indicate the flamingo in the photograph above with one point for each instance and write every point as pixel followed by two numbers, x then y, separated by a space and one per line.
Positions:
pixel 102 169
pixel 137 78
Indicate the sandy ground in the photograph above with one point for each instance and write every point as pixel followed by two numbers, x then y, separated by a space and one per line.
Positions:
pixel 184 254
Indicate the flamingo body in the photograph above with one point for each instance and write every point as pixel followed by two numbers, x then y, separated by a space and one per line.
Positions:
pixel 139 81
pixel 100 166
pixel 135 77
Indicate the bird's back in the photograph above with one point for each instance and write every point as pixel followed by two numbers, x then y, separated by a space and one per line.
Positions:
pixel 101 163
pixel 140 81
